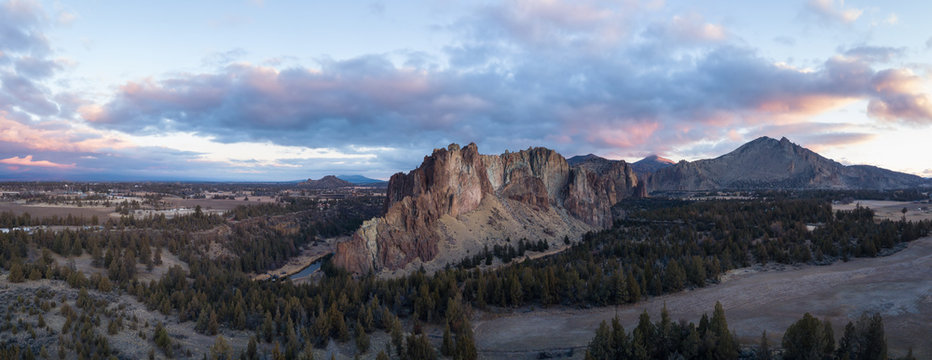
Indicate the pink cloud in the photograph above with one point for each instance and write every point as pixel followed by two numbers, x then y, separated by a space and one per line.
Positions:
pixel 804 104
pixel 27 161
pixel 899 97
pixel 57 139
pixel 628 136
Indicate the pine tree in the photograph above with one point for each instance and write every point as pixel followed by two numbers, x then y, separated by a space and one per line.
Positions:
pixel 828 339
pixel 804 339
pixel 268 327
pixel 252 349
pixel 221 349
pixel 763 352
pixel 162 340
pixel 446 349
pixel 725 347
pixel 362 340
pixel 17 274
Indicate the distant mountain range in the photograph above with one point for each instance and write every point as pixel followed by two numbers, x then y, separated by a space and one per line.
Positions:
pixel 362 180
pixel 767 163
pixel 342 181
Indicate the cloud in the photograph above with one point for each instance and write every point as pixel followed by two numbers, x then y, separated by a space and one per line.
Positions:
pixel 690 28
pixel 833 11
pixel 25 61
pixel 223 58
pixel 50 136
pixel 875 53
pixel 496 90
pixel 607 104
pixel 892 19
pixel 820 142
pixel 588 76
pixel 27 161
pixel 899 97
pixel 66 18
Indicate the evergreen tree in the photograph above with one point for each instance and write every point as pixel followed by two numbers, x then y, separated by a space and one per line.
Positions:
pixel 221 349
pixel 362 339
pixel 17 274
pixel 763 351
pixel 447 347
pixel 804 339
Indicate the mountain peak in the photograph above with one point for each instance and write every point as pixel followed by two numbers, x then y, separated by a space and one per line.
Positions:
pixel 579 159
pixel 767 163
pixel 656 158
pixel 651 164
pixel 327 182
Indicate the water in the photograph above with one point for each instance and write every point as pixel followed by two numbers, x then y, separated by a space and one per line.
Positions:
pixel 310 269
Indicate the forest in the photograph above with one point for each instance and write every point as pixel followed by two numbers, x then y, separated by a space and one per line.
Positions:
pixel 659 246
pixel 806 339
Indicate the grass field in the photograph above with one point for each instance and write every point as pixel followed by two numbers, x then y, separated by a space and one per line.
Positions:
pixel 897 286
pixel 44 210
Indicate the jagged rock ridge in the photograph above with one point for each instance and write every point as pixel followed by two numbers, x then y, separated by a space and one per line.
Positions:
pixel 766 163
pixel 459 199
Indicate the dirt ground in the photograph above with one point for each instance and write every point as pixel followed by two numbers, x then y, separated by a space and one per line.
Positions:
pixel 83 264
pixel 127 340
pixel 898 286
pixel 892 210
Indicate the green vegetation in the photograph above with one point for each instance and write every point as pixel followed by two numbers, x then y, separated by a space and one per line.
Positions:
pixel 666 339
pixel 806 339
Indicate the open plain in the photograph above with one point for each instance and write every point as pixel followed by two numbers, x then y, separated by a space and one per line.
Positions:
pixel 898 286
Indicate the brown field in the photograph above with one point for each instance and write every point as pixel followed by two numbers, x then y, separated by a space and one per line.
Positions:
pixel 898 286
pixel 217 204
pixel 44 210
pixel 892 210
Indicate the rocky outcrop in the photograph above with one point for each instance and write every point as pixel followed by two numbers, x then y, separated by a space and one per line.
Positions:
pixel 766 163
pixel 326 182
pixel 530 193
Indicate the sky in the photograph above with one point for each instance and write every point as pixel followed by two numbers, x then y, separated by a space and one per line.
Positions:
pixel 287 90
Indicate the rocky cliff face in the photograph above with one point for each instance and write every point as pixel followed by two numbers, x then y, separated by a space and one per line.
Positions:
pixel 459 200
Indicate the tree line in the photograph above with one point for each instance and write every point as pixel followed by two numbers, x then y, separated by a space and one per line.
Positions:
pixel 807 339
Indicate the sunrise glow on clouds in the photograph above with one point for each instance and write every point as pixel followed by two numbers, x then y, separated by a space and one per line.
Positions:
pixel 276 91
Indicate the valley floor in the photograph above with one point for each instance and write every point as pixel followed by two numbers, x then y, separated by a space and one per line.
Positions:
pixel 898 286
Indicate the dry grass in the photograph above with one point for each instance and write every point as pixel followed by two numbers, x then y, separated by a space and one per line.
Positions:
pixel 892 210
pixel 46 210
pixel 216 204
pixel 898 286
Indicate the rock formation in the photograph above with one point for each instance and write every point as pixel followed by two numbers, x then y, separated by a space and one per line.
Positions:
pixel 460 200
pixel 326 182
